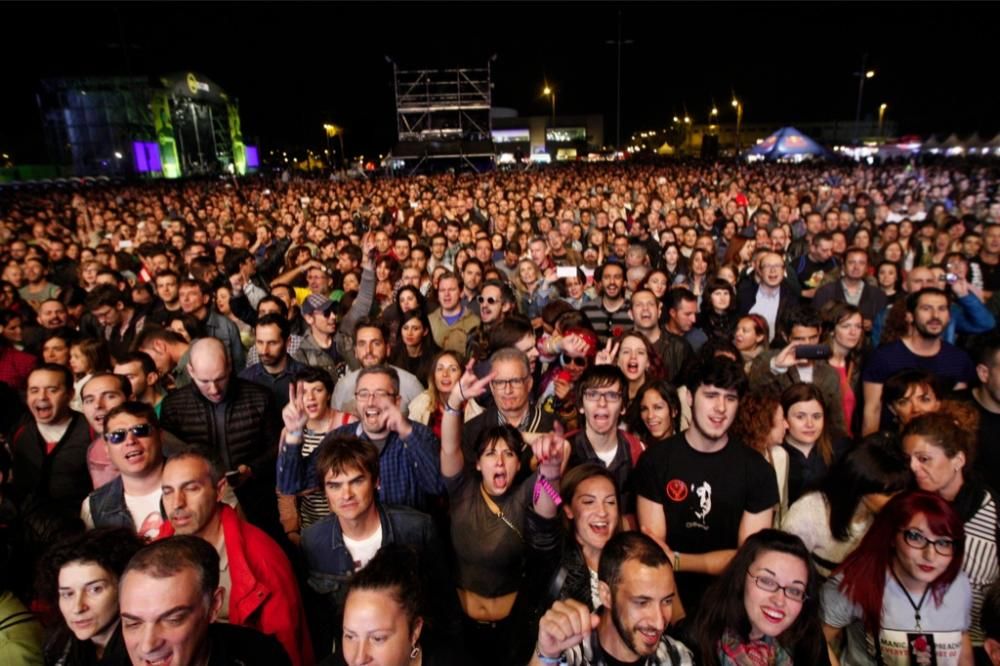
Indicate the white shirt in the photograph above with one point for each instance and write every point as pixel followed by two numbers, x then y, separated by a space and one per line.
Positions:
pixel 766 306
pixel 363 550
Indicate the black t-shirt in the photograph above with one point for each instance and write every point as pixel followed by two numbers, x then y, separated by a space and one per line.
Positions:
pixel 704 497
pixel 811 273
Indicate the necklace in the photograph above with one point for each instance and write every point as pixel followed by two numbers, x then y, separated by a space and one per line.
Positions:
pixel 917 606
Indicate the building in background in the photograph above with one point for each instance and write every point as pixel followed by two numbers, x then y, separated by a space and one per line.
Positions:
pixel 181 124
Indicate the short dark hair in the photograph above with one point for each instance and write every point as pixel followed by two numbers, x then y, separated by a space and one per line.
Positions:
pixel 123 383
pixel 140 410
pixel 394 569
pixel 338 453
pixel 152 333
pixel 60 370
pixel 371 322
pixel 236 258
pixel 678 295
pixel 311 374
pixel 140 357
pixel 802 315
pixel 718 372
pixel 105 295
pixel 282 308
pixel 822 236
pixel 600 376
pixel 506 293
pixel 110 548
pixel 215 467
pixel 284 326
pixel 200 284
pixel 626 546
pixel 386 370
pixel 168 557
pixel 913 300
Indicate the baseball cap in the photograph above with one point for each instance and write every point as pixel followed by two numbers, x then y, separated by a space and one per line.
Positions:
pixel 315 303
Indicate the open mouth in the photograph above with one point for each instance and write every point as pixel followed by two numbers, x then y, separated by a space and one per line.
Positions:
pixel 135 455
pixel 650 637
pixel 159 661
pixel 600 528
pixel 500 479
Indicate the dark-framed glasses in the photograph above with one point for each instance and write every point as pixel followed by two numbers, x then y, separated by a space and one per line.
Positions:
pixel 513 382
pixel 916 539
pixel 769 584
pixel 118 436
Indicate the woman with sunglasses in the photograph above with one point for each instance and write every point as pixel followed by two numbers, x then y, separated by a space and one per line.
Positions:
pixel 556 388
pixel 763 608
pixel 901 597
pixel 940 447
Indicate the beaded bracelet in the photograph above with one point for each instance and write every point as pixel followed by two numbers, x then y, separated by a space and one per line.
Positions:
pixel 543 484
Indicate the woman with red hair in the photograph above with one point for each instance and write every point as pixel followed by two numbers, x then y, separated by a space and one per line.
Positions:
pixel 901 597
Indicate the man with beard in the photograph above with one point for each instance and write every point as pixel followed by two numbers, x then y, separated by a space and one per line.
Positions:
pixel 196 298
pixel 260 590
pixel 49 448
pixel 637 590
pixel 140 371
pixel 371 350
pixel 52 315
pixel 928 312
pixel 408 452
pixel 609 314
pixel 702 493
pixel 276 369
pixel 134 445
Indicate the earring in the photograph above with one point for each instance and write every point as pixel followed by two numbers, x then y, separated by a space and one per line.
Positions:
pixel 415 652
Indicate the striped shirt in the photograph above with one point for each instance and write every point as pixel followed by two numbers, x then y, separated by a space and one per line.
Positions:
pixel 980 560
pixel 313 505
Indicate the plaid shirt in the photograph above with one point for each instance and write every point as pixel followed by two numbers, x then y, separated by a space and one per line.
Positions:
pixel 409 469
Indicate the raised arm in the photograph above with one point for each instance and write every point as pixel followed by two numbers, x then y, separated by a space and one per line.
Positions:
pixel 873 408
pixel 469 387
pixel 366 290
pixel 550 451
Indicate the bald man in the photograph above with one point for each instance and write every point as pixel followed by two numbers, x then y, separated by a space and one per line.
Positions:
pixel 234 420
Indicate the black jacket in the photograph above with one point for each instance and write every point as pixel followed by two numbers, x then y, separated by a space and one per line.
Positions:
pixel 61 477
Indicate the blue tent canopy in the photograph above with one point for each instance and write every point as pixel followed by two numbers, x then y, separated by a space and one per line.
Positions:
pixel 786 142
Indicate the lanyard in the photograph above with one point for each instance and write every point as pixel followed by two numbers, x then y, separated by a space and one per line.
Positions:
pixel 917 606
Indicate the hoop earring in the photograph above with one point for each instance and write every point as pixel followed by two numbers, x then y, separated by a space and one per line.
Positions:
pixel 415 652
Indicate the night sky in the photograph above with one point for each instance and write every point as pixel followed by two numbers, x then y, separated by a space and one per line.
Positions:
pixel 295 66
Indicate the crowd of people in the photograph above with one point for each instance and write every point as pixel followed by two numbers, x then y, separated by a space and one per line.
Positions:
pixel 593 414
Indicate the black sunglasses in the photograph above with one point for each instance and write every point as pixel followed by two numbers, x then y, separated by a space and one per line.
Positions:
pixel 118 436
pixel 579 361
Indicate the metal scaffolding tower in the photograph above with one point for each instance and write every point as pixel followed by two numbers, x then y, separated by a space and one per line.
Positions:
pixel 443 113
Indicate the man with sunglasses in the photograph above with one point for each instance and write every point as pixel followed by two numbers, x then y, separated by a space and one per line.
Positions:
pixel 318 347
pixel 133 443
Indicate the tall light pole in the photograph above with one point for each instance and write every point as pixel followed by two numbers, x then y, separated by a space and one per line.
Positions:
pixel 738 105
pixel 618 102
pixel 881 117
pixel 550 92
pixel 862 75
pixel 334 130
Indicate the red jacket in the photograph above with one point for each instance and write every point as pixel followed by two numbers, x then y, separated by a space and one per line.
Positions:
pixel 264 594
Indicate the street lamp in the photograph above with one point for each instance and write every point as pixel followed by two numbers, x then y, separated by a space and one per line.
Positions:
pixel 862 75
pixel 881 117
pixel 550 92
pixel 335 131
pixel 738 105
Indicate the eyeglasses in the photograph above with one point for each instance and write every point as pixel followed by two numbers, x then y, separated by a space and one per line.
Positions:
pixel 611 397
pixel 768 584
pixel 364 394
pixel 579 361
pixel 329 313
pixel 916 539
pixel 490 300
pixel 118 436
pixel 513 382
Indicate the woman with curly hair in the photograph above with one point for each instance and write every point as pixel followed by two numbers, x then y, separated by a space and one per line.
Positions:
pixel 80 575
pixel 760 424
pixel 941 447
